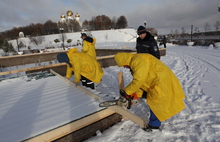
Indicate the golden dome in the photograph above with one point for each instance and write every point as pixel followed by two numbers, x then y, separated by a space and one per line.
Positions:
pixel 77 15
pixel 69 13
pixel 62 16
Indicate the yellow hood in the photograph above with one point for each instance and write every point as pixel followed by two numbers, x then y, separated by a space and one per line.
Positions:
pixel 123 59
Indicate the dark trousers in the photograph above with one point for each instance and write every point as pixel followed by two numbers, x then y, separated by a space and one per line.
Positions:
pixel 88 83
pixel 164 45
pixel 154 121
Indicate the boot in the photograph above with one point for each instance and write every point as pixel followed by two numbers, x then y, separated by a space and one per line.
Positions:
pixel 150 128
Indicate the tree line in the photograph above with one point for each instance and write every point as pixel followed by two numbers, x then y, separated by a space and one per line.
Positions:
pixel 207 29
pixel 100 22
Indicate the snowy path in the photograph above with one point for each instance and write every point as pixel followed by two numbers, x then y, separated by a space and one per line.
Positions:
pixel 198 70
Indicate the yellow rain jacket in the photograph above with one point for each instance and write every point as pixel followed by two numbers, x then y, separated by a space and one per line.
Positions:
pixel 165 95
pixel 85 65
pixel 89 48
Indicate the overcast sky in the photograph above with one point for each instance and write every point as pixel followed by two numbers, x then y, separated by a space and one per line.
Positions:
pixel 163 15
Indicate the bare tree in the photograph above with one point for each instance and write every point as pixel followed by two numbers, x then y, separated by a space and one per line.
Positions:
pixel 113 22
pixel 176 32
pixel 207 27
pixel 217 26
pixel 196 30
pixel 106 22
pixel 153 31
pixel 183 31
pixel 171 32
pixel 73 25
pixel 85 25
pixel 37 39
pixel 121 22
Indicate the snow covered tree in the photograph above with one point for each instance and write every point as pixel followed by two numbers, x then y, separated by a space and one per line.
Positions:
pixel 37 40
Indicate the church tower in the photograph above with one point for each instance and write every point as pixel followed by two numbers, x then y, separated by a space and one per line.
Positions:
pixel 69 14
pixel 63 19
pixel 77 17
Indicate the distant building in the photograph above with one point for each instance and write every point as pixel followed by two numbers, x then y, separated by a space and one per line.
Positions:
pixel 69 24
pixel 21 34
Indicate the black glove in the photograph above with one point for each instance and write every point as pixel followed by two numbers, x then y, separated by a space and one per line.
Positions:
pixel 122 92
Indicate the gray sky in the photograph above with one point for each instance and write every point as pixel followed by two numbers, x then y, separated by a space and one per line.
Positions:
pixel 163 15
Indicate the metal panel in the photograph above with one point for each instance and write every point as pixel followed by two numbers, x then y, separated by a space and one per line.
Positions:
pixel 28 108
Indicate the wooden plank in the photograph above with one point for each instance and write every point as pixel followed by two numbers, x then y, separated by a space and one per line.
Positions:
pixel 88 131
pixel 32 68
pixel 120 80
pixel 136 119
pixel 104 57
pixel 71 127
pixel 33 54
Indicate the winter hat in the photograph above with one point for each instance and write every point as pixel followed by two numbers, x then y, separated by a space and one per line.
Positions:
pixel 83 34
pixel 141 30
pixel 63 57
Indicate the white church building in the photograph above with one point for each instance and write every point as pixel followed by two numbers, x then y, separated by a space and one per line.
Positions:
pixel 70 23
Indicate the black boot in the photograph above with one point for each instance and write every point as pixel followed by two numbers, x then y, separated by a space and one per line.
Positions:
pixel 83 79
pixel 91 85
pixel 150 128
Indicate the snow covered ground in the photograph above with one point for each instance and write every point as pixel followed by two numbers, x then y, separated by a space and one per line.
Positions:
pixel 198 69
pixel 119 38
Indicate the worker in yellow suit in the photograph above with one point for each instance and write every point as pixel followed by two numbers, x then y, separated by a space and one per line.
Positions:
pixel 88 45
pixel 83 66
pixel 164 92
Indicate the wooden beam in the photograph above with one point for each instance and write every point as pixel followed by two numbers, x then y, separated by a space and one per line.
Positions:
pixel 71 127
pixel 120 80
pixel 105 61
pixel 136 119
pixel 32 68
pixel 33 54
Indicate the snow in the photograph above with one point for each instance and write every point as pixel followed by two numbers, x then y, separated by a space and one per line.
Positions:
pixel 123 38
pixel 197 67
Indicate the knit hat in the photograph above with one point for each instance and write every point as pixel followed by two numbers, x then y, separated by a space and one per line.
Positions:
pixel 83 34
pixel 141 30
pixel 63 57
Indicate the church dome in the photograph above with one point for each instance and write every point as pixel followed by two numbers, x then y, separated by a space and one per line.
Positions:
pixel 69 13
pixel 62 16
pixel 21 34
pixel 77 15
